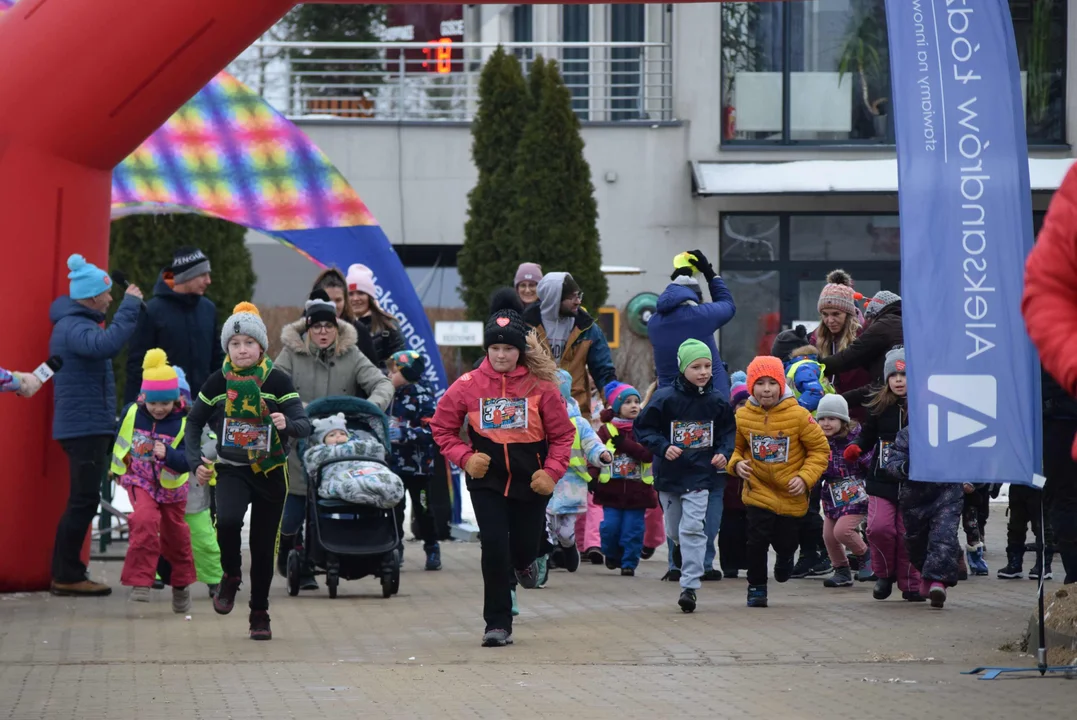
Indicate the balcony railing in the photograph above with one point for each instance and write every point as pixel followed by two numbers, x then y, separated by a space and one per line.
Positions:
pixel 609 82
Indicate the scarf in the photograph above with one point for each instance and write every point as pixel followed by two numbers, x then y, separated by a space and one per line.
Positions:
pixel 243 401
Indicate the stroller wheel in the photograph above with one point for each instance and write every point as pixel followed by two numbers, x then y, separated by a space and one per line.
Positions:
pixel 386 586
pixel 332 579
pixel 395 581
pixel 293 573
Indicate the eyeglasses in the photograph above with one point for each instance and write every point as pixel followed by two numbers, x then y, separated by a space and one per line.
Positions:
pixel 576 296
pixel 323 327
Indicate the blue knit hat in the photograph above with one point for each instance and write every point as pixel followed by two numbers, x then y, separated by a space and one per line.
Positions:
pixel 616 393
pixel 564 383
pixel 87 280
pixel 184 386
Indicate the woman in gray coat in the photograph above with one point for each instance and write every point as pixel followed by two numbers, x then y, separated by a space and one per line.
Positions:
pixel 321 356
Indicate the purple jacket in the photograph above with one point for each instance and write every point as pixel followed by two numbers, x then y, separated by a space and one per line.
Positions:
pixel 839 473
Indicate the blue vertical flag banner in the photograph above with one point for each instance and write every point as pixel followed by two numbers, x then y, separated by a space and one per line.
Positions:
pixel 966 228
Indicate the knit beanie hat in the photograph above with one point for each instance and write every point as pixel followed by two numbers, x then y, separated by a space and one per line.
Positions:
pixel 188 263
pixel 895 362
pixel 87 280
pixel 326 425
pixel 245 320
pixel 766 366
pixel 527 272
pixel 616 393
pixel 184 386
pixel 505 298
pixel 788 341
pixel 690 351
pixel 564 383
pixel 838 293
pixel 879 301
pixel 410 364
pixel 361 278
pixel 506 327
pixel 319 308
pixel 159 381
pixel 833 406
pixel 569 287
pixel 738 394
pixel 691 283
pixel 738 378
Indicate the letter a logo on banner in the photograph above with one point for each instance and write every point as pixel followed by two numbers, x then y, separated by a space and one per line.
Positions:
pixel 966 228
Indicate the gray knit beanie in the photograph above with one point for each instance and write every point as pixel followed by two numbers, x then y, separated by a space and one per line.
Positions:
pixel 880 300
pixel 245 320
pixel 324 426
pixel 832 406
pixel 895 362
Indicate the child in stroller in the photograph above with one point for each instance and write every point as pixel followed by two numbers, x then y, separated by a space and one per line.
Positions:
pixel 351 529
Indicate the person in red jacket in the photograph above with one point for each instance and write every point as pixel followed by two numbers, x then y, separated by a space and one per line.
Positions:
pixel 1049 306
pixel 520 442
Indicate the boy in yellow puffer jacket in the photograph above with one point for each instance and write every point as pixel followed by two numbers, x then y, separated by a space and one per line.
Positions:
pixel 780 454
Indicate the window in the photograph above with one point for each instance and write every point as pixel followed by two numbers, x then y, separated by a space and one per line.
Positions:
pixel 576 27
pixel 523 25
pixel 818 71
pixel 626 70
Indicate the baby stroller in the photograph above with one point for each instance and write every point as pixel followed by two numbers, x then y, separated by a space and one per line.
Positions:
pixel 345 540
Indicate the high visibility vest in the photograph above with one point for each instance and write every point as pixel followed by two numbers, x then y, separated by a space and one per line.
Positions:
pixel 827 387
pixel 607 470
pixel 576 461
pixel 120 449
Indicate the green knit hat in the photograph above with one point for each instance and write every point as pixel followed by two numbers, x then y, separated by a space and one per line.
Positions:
pixel 690 351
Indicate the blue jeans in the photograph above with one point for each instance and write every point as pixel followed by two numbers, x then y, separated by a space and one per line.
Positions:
pixel 622 535
pixel 295 512
pixel 713 522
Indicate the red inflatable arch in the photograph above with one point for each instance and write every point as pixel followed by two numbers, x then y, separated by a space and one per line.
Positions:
pixel 84 83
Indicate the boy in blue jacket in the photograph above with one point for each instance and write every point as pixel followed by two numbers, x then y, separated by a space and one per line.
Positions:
pixel 690 429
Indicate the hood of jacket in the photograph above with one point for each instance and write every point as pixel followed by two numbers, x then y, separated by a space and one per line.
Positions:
pixel 64 306
pixel 674 296
pixel 294 336
pixel 163 290
pixel 549 291
pixel 684 386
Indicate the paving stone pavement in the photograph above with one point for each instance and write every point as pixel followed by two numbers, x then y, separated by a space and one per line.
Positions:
pixel 590 644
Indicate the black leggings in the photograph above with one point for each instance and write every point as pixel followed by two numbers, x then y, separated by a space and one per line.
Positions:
pixel 766 529
pixel 237 488
pixel 418 487
pixel 810 534
pixel 510 531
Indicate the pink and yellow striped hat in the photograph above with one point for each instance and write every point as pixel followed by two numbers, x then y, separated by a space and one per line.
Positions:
pixel 159 381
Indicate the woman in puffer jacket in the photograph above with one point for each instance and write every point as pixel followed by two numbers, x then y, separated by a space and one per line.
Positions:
pixel 520 443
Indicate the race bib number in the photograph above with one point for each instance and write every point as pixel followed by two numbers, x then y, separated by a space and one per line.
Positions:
pixel 884 452
pixel 692 434
pixel 847 492
pixel 141 445
pixel 245 435
pixel 626 468
pixel 503 413
pixel 768 449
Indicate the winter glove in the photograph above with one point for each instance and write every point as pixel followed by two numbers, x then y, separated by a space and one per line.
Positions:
pixel 477 465
pixel 852 453
pixel 618 440
pixel 542 483
pixel 703 265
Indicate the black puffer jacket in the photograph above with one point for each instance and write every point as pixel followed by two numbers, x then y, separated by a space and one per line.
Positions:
pixel 878 434
pixel 869 351
pixel 386 342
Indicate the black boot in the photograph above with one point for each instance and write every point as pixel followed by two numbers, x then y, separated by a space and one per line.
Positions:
pixel 1013 569
pixel 883 588
pixel 287 542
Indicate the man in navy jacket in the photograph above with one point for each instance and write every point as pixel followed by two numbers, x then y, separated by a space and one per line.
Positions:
pixel 180 320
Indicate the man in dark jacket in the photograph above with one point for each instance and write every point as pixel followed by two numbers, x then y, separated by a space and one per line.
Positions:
pixel 868 351
pixel 682 314
pixel 180 320
pixel 84 417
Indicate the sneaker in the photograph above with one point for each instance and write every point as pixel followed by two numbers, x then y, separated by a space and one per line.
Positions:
pixel 570 557
pixel 912 596
pixel 712 574
pixel 1038 569
pixel 158 584
pixel 628 572
pixel 842 577
pixel 225 599
pixel 1047 574
pixel 212 589
pixel 543 571
pixel 673 575
pixel 1013 569
pixel 306 576
pixel 801 570
pixel 140 594
pixel 823 567
pixel 496 638
pixel 594 555
pixel 433 557
pixel 181 600
pixel 687 600
pixel 515 607
pixel 647 553
pixel 977 564
pixel 83 588
pixel 529 576
pixel 883 588
pixel 757 596
pixel 865 573
pixel 612 563
pixel 260 625
pixel 784 569
pixel 937 594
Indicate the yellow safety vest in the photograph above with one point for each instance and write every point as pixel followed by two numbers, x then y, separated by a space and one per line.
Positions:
pixel 120 449
pixel 606 473
pixel 827 387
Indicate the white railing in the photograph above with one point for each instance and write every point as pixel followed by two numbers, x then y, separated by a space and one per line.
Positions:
pixel 408 81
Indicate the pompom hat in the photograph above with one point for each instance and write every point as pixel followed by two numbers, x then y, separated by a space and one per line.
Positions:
pixel 616 393
pixel 87 280
pixel 245 320
pixel 838 294
pixel 159 380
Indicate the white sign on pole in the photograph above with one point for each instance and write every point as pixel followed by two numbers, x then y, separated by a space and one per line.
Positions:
pixel 458 334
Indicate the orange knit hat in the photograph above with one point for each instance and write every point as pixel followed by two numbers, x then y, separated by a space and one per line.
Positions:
pixel 765 366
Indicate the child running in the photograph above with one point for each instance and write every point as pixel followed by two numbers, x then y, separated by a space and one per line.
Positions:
pixel 887 415
pixel 149 460
pixel 844 495
pixel 625 489
pixel 689 428
pixel 780 454
pixel 254 410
